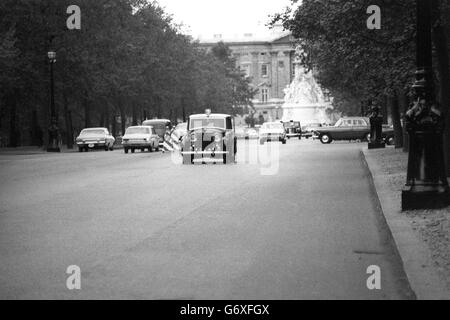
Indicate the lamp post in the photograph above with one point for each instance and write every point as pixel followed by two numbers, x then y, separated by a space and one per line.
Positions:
pixel 427 185
pixel 53 133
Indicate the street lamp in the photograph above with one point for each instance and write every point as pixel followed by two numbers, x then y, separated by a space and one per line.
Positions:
pixel 427 185
pixel 53 133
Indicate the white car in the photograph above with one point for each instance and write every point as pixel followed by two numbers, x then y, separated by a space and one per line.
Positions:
pixel 272 131
pixel 95 138
pixel 140 137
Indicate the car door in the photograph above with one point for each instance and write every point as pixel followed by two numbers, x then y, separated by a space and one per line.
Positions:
pixel 360 128
pixel 344 131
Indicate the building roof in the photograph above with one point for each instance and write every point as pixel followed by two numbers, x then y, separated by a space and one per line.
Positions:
pixel 250 38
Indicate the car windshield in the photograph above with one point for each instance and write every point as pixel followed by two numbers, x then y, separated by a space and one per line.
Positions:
pixel 92 132
pixel 137 130
pixel 272 126
pixel 291 124
pixel 207 123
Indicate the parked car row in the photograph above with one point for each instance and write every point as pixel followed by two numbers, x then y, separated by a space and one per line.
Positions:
pixel 215 136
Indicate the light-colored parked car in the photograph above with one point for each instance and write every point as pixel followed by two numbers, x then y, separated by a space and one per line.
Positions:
pixel 252 133
pixel 141 138
pixel 95 138
pixel 241 133
pixel 272 131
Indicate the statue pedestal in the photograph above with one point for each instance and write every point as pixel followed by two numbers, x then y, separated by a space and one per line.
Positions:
pixel 414 200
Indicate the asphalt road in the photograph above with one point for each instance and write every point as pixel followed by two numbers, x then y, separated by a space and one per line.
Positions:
pixel 142 226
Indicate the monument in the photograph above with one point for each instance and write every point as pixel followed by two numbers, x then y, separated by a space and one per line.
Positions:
pixel 304 99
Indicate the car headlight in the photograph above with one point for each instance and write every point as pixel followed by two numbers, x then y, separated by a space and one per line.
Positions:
pixel 217 137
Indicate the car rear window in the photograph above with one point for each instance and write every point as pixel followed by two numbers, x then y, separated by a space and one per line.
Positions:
pixel 92 132
pixel 272 126
pixel 137 130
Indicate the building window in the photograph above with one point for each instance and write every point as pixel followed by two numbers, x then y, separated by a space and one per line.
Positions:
pixel 245 68
pixel 264 95
pixel 264 70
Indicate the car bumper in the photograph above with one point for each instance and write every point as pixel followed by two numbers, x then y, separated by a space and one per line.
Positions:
pixel 272 138
pixel 209 153
pixel 91 145
pixel 136 144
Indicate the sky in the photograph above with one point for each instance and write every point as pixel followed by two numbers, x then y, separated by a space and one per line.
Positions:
pixel 205 18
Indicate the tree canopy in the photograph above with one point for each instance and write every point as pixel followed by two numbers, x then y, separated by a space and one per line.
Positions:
pixel 128 61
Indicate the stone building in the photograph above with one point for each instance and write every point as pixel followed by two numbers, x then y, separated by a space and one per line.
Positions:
pixel 269 62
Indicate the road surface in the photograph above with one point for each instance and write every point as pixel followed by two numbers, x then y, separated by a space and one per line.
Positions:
pixel 143 226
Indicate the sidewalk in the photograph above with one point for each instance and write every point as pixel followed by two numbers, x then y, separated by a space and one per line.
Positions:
pixel 422 237
pixel 32 150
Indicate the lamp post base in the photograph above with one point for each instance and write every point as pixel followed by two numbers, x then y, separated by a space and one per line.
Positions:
pixel 431 199
pixel 376 145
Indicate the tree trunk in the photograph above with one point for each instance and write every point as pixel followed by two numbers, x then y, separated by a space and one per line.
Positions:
pixel 106 116
pixel 396 120
pixel 183 102
pixel 134 113
pixel 123 120
pixel 404 105
pixel 12 121
pixel 114 124
pixel 384 108
pixel 68 120
pixel 87 114
pixel 441 46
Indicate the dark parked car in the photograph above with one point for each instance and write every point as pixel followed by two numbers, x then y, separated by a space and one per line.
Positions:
pixel 351 128
pixel 161 126
pixel 293 129
pixel 210 138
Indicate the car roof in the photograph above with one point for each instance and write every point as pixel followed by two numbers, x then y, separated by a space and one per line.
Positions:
pixel 94 129
pixel 354 118
pixel 139 127
pixel 157 120
pixel 212 115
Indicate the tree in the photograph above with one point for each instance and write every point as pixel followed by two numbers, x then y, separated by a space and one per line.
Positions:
pixel 129 60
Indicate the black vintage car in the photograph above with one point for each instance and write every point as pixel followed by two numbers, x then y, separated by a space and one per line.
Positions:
pixel 293 129
pixel 351 128
pixel 161 127
pixel 210 138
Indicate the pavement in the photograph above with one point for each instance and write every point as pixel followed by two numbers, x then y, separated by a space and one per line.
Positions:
pixel 416 256
pixel 143 226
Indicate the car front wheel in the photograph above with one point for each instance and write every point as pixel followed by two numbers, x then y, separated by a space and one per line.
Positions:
pixel 325 139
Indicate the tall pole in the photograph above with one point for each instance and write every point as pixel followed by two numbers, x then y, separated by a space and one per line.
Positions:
pixel 427 186
pixel 53 131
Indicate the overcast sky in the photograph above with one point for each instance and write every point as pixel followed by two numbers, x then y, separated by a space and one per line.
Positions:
pixel 227 17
